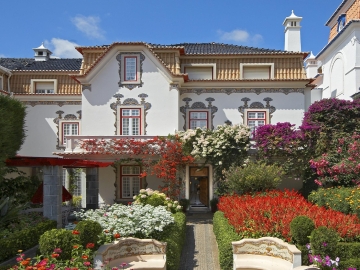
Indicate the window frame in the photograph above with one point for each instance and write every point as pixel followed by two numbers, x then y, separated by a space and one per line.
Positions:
pixel 120 118
pixel 130 84
pixel 269 65
pixel 247 119
pixel 132 194
pixel 136 68
pixel 212 65
pixel 34 81
pixel 188 117
pixel 61 130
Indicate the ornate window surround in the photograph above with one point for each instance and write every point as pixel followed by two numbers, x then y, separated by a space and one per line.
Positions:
pixel 256 107
pixel 198 107
pixel 60 121
pixel 130 103
pixel 139 65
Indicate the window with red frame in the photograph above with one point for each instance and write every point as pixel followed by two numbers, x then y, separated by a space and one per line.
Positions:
pixel 256 119
pixel 130 182
pixel 130 71
pixel 69 129
pixel 198 119
pixel 130 122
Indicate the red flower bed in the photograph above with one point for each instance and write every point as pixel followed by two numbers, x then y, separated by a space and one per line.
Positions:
pixel 270 214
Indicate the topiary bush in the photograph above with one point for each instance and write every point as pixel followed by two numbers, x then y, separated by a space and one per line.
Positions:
pixel 58 238
pixel 225 234
pixel 324 241
pixel 89 231
pixel 301 228
pixel 253 177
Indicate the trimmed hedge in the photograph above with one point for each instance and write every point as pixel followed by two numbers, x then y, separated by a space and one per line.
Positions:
pixel 225 234
pixel 174 236
pixel 24 239
pixel 349 254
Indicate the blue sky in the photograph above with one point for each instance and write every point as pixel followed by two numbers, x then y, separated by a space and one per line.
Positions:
pixel 63 24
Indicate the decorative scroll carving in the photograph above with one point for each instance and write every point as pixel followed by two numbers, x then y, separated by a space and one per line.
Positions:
pixel 140 70
pixel 86 87
pixel 57 120
pixel 173 86
pixel 59 103
pixel 199 105
pixel 256 105
pixel 70 117
pixel 229 91
pixel 130 102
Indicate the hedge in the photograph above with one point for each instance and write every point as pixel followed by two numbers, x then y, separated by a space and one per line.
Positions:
pixel 24 239
pixel 225 234
pixel 349 254
pixel 174 236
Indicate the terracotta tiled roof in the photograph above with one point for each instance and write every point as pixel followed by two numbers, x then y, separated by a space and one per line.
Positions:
pixel 29 64
pixel 336 11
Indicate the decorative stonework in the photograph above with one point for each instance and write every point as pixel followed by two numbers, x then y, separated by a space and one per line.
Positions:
pixel 86 87
pixel 229 91
pixel 140 82
pixel 130 102
pixel 59 103
pixel 256 105
pixel 198 105
pixel 56 120
pixel 174 86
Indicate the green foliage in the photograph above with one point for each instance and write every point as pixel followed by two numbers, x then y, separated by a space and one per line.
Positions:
pixel 301 228
pixel 343 199
pixel 8 211
pixel 225 234
pixel 253 177
pixel 155 198
pixel 12 132
pixel 76 201
pixel 174 236
pixel 346 251
pixel 23 239
pixel 15 183
pixel 353 263
pixel 184 203
pixel 58 238
pixel 89 231
pixel 324 241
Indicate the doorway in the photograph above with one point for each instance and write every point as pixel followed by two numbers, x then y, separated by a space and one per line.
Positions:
pixel 199 186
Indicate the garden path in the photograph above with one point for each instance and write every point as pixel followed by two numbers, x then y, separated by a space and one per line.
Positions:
pixel 200 251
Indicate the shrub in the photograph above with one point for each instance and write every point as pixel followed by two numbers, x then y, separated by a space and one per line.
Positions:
pixel 324 241
pixel 89 231
pixel 174 236
pixel 58 238
pixel 225 234
pixel 301 228
pixel 253 177
pixel 23 239
pixel 343 199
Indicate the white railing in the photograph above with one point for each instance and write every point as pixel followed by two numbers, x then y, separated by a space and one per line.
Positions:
pixel 72 142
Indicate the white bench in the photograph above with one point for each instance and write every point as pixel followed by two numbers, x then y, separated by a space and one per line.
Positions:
pixel 266 253
pixel 136 253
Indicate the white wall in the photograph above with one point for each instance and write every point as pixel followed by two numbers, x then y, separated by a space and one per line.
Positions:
pixel 98 117
pixel 41 131
pixel 289 108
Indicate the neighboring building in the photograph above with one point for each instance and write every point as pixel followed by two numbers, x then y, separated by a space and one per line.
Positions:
pixel 337 66
pixel 141 90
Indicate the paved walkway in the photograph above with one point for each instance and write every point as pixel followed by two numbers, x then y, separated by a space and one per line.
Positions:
pixel 200 251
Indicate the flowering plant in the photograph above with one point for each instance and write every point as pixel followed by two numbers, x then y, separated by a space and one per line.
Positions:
pixel 324 263
pixel 155 198
pixel 134 220
pixel 81 259
pixel 225 146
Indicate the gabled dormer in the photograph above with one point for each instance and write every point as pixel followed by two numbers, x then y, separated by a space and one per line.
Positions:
pixel 42 53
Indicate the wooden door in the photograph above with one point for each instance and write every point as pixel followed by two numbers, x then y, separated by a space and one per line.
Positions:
pixel 204 191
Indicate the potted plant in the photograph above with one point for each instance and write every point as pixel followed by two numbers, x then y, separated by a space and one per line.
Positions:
pixel 185 204
pixel 213 204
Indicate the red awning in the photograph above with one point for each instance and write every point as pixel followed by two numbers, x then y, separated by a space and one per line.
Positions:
pixel 39 194
pixel 20 161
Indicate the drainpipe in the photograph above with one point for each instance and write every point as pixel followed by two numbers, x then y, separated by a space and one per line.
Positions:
pixel 9 82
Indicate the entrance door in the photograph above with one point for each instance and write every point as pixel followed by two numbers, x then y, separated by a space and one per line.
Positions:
pixel 204 191
pixel 199 186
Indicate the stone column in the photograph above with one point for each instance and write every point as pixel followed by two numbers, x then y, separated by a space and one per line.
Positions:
pixel 52 200
pixel 92 188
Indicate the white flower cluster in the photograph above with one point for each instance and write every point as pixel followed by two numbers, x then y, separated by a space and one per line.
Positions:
pixel 129 220
pixel 145 194
pixel 215 143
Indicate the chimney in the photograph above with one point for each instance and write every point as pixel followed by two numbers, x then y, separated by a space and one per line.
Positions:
pixel 292 33
pixel 42 53
pixel 311 66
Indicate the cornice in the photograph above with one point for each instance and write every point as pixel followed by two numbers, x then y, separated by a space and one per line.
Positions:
pixel 230 91
pixel 48 97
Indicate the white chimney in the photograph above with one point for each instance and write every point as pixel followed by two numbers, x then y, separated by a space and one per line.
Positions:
pixel 311 66
pixel 42 53
pixel 292 33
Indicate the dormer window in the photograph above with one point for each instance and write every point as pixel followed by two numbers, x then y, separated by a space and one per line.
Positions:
pixel 40 53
